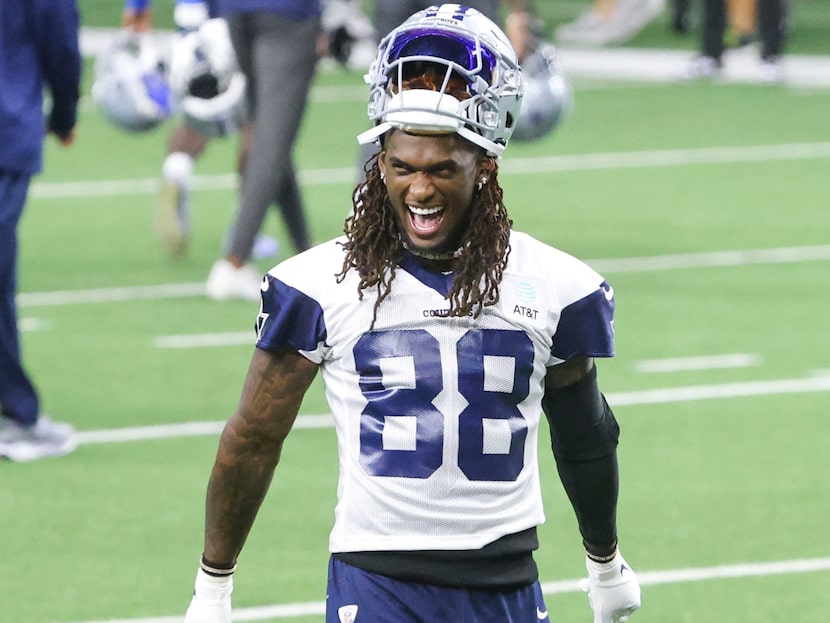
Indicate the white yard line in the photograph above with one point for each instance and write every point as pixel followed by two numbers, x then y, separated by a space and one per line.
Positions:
pixel 812 384
pixel 770 387
pixel 709 259
pixel 701 362
pixel 706 259
pixel 190 429
pixel 667 157
pixel 510 166
pixel 30 325
pixel 202 340
pixel 111 295
pixel 646 578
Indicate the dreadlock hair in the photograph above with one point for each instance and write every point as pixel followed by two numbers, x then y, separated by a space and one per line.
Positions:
pixel 374 247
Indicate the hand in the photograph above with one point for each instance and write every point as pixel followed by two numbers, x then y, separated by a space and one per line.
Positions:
pixel 65 140
pixel 613 590
pixel 211 599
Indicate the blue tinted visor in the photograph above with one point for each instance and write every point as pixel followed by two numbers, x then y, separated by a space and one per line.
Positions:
pixel 469 54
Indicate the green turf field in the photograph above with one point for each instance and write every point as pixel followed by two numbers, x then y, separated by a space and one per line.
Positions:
pixel 705 206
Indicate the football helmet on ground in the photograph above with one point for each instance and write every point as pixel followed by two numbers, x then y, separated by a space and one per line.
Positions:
pixel 206 80
pixel 446 69
pixel 130 85
pixel 547 94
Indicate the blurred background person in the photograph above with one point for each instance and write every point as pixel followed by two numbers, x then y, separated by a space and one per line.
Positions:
pixel 740 15
pixel 217 115
pixel 609 22
pixel 742 23
pixel 771 30
pixel 681 16
pixel 38 49
pixel 277 44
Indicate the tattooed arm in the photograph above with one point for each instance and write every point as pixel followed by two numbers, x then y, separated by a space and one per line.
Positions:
pixel 250 449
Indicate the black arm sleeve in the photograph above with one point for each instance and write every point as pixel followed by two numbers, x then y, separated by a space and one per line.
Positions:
pixel 584 435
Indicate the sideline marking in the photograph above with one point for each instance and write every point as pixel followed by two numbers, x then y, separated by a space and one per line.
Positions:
pixel 709 259
pixel 724 390
pixel 819 383
pixel 782 255
pixel 703 362
pixel 201 340
pixel 514 166
pixel 111 295
pixel 30 325
pixel 646 578
pixel 189 429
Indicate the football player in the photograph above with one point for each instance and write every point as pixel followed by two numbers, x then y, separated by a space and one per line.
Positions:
pixel 443 338
pixel 276 44
pixel 185 143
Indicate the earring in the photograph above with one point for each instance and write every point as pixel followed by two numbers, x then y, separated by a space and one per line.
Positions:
pixel 481 183
pixel 382 177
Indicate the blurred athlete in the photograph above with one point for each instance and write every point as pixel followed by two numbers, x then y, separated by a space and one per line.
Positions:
pixel 442 336
pixel 772 32
pixel 222 115
pixel 609 22
pixel 38 49
pixel 186 143
pixel 277 44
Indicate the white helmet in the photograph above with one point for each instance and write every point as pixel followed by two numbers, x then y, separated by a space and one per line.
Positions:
pixel 547 95
pixel 206 80
pixel 130 85
pixel 461 43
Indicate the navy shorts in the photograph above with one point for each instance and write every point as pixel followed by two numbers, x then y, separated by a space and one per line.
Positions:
pixel 357 596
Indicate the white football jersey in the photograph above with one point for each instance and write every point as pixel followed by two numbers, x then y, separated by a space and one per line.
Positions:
pixel 436 417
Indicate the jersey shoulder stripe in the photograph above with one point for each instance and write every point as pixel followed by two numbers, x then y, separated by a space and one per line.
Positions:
pixel 292 313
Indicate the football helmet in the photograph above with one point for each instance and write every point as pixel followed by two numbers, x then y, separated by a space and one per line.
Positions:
pixel 476 88
pixel 547 94
pixel 130 85
pixel 206 80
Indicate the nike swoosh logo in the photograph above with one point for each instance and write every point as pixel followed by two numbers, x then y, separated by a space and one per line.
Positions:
pixel 541 614
pixel 623 569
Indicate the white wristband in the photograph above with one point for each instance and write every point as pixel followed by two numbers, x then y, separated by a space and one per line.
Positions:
pixel 211 588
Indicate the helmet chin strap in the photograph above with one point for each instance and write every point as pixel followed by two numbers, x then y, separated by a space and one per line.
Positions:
pixel 426 255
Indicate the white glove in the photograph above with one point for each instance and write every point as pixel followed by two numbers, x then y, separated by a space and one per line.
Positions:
pixel 216 45
pixel 211 599
pixel 613 590
pixel 190 15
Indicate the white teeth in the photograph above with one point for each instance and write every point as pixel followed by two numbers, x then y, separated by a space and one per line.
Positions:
pixel 425 211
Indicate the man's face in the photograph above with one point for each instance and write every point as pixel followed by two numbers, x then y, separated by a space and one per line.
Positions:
pixel 430 180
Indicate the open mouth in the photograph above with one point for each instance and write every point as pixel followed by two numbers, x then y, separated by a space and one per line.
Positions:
pixel 426 221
